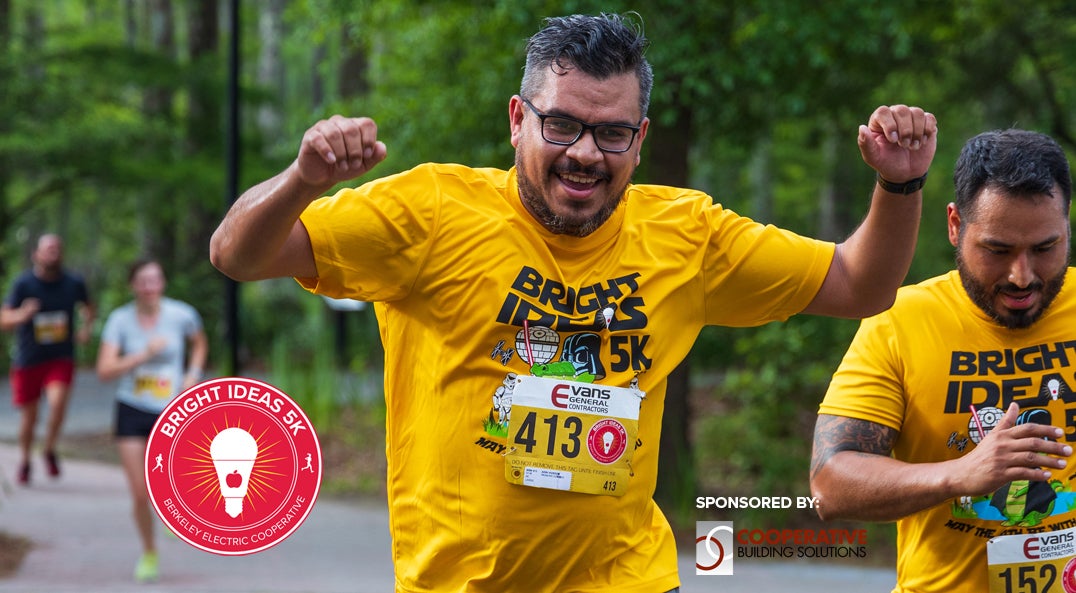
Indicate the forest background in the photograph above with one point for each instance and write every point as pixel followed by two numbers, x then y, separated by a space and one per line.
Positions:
pixel 113 132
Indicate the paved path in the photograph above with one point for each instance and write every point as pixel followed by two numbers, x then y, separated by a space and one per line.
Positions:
pixel 85 542
pixel 84 539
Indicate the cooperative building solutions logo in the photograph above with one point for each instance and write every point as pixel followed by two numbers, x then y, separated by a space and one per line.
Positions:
pixel 717 544
pixel 713 547
pixel 233 466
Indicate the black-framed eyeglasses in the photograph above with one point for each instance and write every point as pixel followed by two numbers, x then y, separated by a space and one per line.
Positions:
pixel 565 131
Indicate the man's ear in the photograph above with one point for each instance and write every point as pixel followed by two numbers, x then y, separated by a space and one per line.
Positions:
pixel 515 119
pixel 952 219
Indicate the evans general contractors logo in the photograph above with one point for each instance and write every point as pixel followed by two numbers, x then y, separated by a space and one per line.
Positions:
pixel 233 466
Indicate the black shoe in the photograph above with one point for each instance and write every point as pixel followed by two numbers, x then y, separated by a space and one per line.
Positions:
pixel 51 462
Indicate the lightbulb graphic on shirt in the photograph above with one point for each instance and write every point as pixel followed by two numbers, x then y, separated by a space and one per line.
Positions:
pixel 1055 388
pixel 233 451
pixel 607 314
pixel 607 441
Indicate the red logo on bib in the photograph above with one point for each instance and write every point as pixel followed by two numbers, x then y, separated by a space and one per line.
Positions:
pixel 233 466
pixel 1068 578
pixel 607 440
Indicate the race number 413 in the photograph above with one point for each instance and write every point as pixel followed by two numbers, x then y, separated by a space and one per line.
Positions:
pixel 572 436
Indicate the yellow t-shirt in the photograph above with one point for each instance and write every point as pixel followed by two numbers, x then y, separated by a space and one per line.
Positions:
pixel 456 264
pixel 918 368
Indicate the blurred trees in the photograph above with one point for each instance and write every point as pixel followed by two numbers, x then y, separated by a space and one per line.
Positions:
pixel 111 133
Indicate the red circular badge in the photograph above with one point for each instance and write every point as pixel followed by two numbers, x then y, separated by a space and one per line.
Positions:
pixel 233 466
pixel 1068 576
pixel 607 440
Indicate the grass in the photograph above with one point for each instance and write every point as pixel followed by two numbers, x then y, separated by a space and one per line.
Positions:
pixel 13 548
pixel 348 412
pixel 352 451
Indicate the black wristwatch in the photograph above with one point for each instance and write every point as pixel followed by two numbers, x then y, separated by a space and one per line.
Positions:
pixel 908 187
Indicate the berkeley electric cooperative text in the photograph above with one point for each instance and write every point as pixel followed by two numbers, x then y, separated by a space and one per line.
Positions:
pixel 755 502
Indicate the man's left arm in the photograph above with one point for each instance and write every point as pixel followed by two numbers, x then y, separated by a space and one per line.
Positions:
pixel 87 313
pixel 898 142
pixel 199 351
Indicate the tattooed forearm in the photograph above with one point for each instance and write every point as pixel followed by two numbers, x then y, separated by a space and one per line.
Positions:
pixel 833 434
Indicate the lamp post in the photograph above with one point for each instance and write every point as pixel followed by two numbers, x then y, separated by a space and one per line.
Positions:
pixel 231 300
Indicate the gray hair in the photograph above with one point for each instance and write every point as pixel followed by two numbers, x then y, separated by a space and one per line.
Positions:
pixel 600 46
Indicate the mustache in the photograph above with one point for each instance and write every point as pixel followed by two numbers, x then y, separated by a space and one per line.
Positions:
pixel 574 168
pixel 1009 287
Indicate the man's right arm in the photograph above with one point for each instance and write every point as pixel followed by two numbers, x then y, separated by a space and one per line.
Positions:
pixel 13 317
pixel 9 318
pixel 261 235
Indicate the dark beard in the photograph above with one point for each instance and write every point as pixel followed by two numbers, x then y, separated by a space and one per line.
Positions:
pixel 985 297
pixel 531 196
pixel 51 271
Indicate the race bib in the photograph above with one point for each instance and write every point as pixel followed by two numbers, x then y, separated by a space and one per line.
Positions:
pixel 51 327
pixel 567 435
pixel 153 382
pixel 1032 563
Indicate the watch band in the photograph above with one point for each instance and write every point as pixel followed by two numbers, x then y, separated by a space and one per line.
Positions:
pixel 908 187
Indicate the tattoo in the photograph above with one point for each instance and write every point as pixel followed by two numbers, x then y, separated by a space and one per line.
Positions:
pixel 833 434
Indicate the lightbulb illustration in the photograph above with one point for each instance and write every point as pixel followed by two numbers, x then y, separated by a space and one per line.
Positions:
pixel 1055 388
pixel 607 314
pixel 233 451
pixel 607 441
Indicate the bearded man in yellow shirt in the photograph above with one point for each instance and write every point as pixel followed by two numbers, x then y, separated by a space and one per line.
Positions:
pixel 953 412
pixel 531 316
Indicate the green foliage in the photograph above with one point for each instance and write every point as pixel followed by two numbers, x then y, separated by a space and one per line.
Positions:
pixel 304 361
pixel 435 98
pixel 295 327
pixel 99 147
pixel 118 145
pixel 345 407
pixel 756 437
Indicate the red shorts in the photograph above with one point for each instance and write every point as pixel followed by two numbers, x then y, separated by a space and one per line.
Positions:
pixel 27 383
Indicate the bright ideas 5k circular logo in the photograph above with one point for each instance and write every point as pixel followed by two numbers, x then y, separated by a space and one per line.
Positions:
pixel 233 466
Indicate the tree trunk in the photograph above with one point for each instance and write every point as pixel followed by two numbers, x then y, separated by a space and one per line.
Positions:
pixel 667 157
pixel 317 81
pixel 5 25
pixel 7 104
pixel 156 104
pixel 760 172
pixel 352 83
pixel 352 74
pixel 204 131
pixel 829 220
pixel 271 66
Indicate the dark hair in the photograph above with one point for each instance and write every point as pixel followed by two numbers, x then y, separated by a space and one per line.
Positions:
pixel 600 46
pixel 138 264
pixel 1018 162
